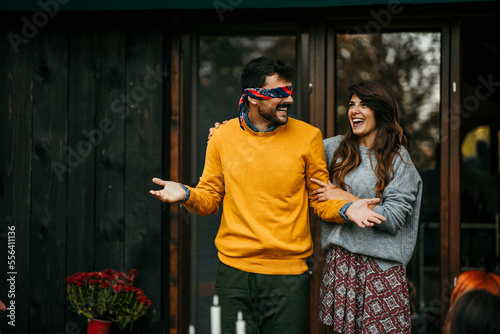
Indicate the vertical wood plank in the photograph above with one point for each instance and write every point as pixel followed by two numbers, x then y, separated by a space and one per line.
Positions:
pixel 331 99
pixel 16 80
pixel 318 53
pixel 48 224
pixel 187 79
pixel 455 156
pixel 445 166
pixel 110 160
pixel 175 94
pixel 303 72
pixel 165 269
pixel 145 77
pixel 317 118
pixel 84 139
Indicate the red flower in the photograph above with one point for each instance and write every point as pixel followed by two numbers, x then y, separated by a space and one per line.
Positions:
pixel 117 288
pixel 109 294
pixel 132 274
pixel 144 300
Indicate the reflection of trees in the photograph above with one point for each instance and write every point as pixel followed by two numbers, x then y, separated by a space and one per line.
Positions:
pixel 409 65
pixel 221 60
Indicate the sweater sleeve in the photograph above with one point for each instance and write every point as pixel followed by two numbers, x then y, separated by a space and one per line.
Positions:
pixel 207 197
pixel 316 168
pixel 400 194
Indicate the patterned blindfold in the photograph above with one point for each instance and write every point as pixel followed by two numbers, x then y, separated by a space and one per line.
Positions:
pixel 261 94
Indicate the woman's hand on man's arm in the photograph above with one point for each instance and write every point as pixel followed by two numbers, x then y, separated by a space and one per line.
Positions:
pixel 328 191
pixel 216 126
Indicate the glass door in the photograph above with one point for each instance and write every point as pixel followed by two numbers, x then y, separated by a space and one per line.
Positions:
pixel 480 148
pixel 408 63
pixel 219 63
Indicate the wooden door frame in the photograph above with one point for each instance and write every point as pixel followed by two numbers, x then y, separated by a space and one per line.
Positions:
pixel 450 159
pixel 177 168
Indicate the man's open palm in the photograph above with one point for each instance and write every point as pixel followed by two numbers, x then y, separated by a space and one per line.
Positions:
pixel 171 192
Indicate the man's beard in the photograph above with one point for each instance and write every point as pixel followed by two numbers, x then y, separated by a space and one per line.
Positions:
pixel 271 115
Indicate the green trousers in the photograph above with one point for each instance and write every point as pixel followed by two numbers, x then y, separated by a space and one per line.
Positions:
pixel 271 304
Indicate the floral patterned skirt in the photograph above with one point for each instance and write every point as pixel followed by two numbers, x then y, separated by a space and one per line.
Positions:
pixel 356 296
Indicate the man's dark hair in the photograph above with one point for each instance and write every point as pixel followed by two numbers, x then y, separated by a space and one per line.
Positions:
pixel 256 70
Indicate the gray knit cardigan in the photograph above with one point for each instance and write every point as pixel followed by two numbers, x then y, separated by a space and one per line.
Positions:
pixel 392 242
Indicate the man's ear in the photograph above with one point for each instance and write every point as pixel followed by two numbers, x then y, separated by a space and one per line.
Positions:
pixel 252 100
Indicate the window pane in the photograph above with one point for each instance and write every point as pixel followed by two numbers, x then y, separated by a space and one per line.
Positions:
pixel 408 63
pixel 480 135
pixel 476 153
pixel 220 62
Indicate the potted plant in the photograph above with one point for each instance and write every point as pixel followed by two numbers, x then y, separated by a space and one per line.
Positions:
pixel 107 296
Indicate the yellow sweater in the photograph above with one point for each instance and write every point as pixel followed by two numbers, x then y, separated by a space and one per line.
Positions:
pixel 263 180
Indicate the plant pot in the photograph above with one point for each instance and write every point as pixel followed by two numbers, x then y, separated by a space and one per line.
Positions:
pixel 97 326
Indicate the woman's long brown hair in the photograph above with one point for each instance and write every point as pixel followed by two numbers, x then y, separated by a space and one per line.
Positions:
pixel 389 140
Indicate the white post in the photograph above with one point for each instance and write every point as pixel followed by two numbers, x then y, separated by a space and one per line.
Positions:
pixel 215 325
pixel 240 324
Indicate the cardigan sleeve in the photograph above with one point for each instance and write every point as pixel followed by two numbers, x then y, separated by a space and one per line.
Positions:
pixel 399 196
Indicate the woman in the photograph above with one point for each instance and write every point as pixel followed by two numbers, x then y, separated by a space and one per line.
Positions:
pixel 364 286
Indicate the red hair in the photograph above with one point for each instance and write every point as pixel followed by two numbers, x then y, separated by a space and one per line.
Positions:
pixel 476 279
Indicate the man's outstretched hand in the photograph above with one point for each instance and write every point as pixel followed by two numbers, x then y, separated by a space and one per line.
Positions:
pixel 171 192
pixel 360 213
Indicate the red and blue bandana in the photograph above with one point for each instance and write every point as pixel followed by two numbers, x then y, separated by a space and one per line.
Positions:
pixel 261 94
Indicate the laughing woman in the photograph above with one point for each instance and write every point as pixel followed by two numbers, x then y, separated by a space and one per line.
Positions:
pixel 363 287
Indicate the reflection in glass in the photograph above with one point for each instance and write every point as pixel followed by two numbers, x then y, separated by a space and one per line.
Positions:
pixel 220 62
pixel 408 63
pixel 480 225
pixel 476 151
pixel 480 148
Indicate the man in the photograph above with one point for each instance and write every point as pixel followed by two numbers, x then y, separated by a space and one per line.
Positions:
pixel 259 166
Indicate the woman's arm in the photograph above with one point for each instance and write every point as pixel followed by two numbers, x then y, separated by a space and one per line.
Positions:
pixel 328 191
pixel 402 196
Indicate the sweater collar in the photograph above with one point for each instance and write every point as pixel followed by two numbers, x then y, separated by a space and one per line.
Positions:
pixel 254 129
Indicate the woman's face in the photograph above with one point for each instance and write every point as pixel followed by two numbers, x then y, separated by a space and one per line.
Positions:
pixel 362 121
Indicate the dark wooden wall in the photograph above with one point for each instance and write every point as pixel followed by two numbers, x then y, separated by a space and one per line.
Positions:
pixel 88 116
pixel 82 128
